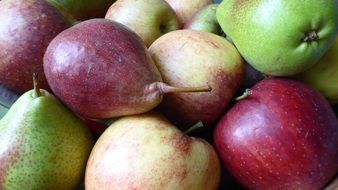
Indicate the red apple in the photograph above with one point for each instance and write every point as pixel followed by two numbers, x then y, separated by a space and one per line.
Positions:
pixel 282 136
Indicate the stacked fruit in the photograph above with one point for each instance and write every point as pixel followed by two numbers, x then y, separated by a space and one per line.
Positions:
pixel 176 94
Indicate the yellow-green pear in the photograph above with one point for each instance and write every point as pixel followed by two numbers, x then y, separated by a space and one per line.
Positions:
pixel 43 145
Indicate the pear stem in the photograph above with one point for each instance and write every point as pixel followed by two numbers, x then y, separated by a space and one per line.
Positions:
pixel 194 127
pixel 246 94
pixel 165 88
pixel 36 85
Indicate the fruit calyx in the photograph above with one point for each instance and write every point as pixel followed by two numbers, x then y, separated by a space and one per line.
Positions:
pixel 247 93
pixel 311 36
pixel 37 92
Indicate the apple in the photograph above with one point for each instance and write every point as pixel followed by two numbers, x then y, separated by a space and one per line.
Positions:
pixel 280 37
pixel 146 151
pixel 150 19
pixel 324 74
pixel 283 135
pixel 85 9
pixel 186 9
pixel 205 20
pixel 26 28
pixel 194 58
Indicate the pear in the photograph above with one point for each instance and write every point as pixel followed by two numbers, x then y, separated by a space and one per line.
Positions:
pixel 43 145
pixel 146 151
pixel 280 37
pixel 101 69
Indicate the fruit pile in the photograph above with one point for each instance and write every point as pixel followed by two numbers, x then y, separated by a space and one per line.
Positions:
pixel 168 94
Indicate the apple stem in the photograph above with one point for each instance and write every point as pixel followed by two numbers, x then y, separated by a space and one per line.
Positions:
pixel 194 127
pixel 247 93
pixel 36 85
pixel 312 36
pixel 165 88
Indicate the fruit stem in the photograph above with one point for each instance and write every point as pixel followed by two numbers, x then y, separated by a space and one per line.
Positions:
pixel 36 85
pixel 246 94
pixel 194 127
pixel 165 88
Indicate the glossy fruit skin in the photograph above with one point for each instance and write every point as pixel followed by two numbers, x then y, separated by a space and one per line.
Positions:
pixel 283 136
pixel 26 28
pixel 274 36
pixel 101 69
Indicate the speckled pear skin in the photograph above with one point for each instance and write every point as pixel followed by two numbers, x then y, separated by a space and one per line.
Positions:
pixel 273 36
pixel 42 145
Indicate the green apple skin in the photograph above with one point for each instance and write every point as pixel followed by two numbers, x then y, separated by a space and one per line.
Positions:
pixel 280 37
pixel 205 20
pixel 85 9
pixel 196 58
pixel 324 74
pixel 146 151
pixel 150 19
pixel 186 9
pixel 43 145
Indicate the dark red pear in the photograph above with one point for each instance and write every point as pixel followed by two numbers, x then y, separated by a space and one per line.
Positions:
pixel 282 136
pixel 101 69
pixel 26 28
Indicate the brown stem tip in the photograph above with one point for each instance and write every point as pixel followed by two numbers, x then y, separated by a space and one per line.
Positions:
pixel 165 88
pixel 36 85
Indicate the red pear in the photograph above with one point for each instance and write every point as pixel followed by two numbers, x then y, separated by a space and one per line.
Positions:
pixel 101 69
pixel 26 28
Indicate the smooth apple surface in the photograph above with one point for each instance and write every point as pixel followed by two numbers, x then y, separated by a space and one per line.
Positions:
pixel 26 29
pixel 150 19
pixel 195 58
pixel 186 9
pixel 205 20
pixel 147 152
pixel 283 136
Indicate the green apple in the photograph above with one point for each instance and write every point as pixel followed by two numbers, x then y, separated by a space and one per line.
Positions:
pixel 324 74
pixel 186 9
pixel 205 20
pixel 148 18
pixel 85 9
pixel 280 37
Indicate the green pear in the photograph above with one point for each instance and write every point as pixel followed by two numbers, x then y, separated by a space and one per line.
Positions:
pixel 146 151
pixel 43 145
pixel 280 37
pixel 324 74
pixel 205 20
